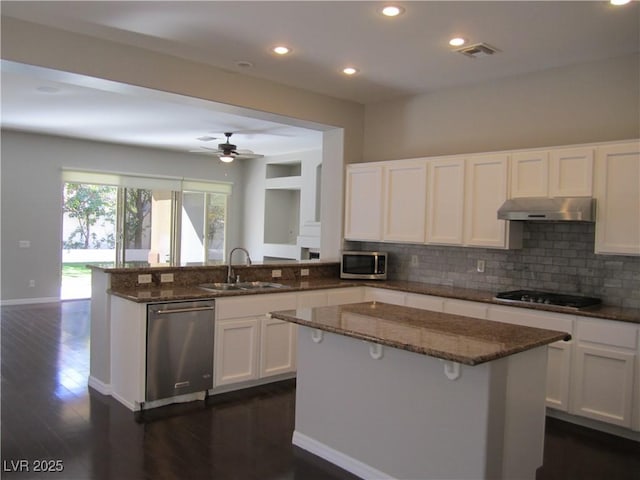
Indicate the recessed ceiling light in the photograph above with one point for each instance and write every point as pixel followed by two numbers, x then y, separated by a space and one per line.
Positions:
pixel 281 50
pixel 619 2
pixel 457 42
pixel 392 11
pixel 349 70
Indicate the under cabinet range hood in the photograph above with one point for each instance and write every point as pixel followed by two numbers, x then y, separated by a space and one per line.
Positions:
pixel 577 209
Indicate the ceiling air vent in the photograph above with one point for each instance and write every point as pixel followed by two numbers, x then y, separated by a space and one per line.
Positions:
pixel 477 50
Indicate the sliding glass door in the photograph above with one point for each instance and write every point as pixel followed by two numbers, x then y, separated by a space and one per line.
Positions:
pixel 116 220
pixel 203 228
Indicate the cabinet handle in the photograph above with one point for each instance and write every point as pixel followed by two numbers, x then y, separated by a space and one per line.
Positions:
pixel 184 310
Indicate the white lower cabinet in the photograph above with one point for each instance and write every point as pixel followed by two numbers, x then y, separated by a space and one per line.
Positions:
pixel 249 345
pixel 559 353
pixel 605 382
pixel 236 348
pixel 277 347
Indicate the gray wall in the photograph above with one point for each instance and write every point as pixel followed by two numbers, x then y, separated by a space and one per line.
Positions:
pixel 32 199
pixel 585 103
pixel 556 256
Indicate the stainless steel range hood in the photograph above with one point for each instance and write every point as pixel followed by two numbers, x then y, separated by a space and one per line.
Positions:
pixel 577 209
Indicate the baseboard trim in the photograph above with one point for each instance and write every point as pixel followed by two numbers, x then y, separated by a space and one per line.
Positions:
pixel 29 301
pixel 595 425
pixel 338 458
pixel 131 406
pixel 101 387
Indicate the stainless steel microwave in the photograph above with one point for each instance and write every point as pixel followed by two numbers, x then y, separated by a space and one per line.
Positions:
pixel 364 265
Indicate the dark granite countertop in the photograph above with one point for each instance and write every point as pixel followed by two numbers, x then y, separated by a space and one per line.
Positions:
pixel 608 312
pixel 155 293
pixel 460 339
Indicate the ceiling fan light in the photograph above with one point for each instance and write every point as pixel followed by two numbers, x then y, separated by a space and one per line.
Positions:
pixel 226 158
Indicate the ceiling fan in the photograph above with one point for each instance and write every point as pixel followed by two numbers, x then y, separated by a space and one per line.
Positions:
pixel 227 151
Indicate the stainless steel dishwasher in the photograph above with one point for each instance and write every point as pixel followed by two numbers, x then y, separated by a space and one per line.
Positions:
pixel 179 348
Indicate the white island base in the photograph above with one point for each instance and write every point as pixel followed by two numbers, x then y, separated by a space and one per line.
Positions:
pixel 400 416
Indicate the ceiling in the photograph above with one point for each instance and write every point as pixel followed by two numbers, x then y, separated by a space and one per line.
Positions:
pixel 405 55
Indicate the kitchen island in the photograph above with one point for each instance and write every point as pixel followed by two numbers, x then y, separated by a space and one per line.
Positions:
pixel 388 391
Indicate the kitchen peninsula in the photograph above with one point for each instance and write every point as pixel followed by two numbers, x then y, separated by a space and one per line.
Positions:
pixel 388 391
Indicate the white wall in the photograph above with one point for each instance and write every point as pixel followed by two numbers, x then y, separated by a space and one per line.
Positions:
pixel 255 218
pixel 583 103
pixel 32 199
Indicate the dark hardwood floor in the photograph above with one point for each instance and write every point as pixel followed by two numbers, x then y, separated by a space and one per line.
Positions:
pixel 49 414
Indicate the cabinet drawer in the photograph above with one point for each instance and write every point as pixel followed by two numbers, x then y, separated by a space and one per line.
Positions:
pixel 465 308
pixel 608 332
pixel 248 305
pixel 424 302
pixel 530 318
pixel 341 296
pixel 386 296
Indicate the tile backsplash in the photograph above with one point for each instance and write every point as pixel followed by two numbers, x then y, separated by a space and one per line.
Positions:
pixel 556 257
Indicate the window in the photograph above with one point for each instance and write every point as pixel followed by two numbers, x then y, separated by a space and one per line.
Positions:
pixel 123 220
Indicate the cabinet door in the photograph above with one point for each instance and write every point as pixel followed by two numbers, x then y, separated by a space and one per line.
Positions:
pixel 558 371
pixel 603 384
pixel 486 191
pixel 445 201
pixel 530 174
pixel 363 203
pixel 571 172
pixel 277 347
pixel 405 199
pixel 618 199
pixel 236 350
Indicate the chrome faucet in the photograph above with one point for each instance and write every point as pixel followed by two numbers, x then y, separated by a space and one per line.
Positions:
pixel 230 277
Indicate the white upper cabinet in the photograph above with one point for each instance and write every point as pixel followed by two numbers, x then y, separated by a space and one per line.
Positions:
pixel 617 195
pixel 530 174
pixel 571 172
pixel 485 191
pixel 445 201
pixel 561 172
pixel 363 202
pixel 404 205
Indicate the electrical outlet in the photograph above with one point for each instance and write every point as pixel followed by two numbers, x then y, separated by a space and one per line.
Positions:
pixel 144 278
pixel 480 266
pixel 414 260
pixel 32 283
pixel 276 273
pixel 24 243
pixel 304 272
pixel 166 277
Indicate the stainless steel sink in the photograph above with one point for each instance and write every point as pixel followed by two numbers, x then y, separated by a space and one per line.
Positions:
pixel 219 287
pixel 222 287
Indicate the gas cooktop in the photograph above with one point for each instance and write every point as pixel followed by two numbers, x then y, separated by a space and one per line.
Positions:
pixel 574 302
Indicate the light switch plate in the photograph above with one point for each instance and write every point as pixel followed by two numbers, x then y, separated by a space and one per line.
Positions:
pixel 144 278
pixel 166 277
pixel 276 273
pixel 304 272
pixel 24 243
